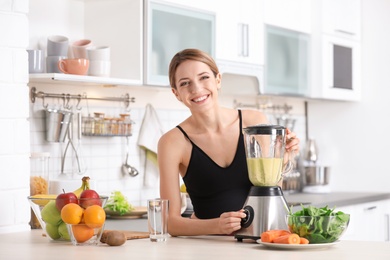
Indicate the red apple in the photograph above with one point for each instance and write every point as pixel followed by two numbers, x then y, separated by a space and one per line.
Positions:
pixel 89 198
pixel 65 198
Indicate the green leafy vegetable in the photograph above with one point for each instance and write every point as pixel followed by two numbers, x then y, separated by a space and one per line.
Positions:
pixel 118 203
pixel 318 225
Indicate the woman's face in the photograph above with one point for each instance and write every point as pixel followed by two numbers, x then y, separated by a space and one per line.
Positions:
pixel 196 85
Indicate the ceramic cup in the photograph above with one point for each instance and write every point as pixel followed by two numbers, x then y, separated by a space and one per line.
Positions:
pixel 158 219
pixel 79 48
pixel 57 45
pixel 101 53
pixel 35 61
pixel 52 63
pixel 74 66
pixel 99 68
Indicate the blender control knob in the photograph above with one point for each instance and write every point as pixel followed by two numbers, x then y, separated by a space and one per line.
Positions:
pixel 247 221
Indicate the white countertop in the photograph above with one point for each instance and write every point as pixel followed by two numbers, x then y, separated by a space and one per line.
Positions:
pixel 31 245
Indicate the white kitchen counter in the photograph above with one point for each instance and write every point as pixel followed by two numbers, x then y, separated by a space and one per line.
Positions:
pixel 31 245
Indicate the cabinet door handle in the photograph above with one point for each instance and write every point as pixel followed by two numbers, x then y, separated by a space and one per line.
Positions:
pixel 370 208
pixel 243 40
pixel 345 32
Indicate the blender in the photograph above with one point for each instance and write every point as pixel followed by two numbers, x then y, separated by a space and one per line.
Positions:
pixel 265 206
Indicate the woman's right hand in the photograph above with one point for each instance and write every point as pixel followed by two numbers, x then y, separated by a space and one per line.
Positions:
pixel 230 222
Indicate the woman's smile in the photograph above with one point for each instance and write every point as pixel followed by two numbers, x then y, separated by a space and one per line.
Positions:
pixel 200 99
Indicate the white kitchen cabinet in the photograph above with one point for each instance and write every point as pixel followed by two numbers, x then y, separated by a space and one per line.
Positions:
pixel 336 51
pixel 240 31
pixel 293 15
pixel 341 18
pixel 340 69
pixel 368 222
pixel 118 25
pixel 287 66
pixel 170 28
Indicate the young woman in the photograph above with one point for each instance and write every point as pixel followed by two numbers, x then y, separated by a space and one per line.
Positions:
pixel 206 150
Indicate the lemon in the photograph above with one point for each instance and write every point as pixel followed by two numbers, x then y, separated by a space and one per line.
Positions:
pixel 183 188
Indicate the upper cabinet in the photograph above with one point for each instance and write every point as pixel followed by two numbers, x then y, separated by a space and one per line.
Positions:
pixel 170 28
pixel 293 15
pixel 240 31
pixel 336 53
pixel 341 18
pixel 287 66
pixel 118 24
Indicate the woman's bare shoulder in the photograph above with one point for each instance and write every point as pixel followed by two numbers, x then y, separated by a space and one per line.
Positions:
pixel 253 117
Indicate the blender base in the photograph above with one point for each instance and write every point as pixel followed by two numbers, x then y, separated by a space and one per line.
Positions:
pixel 266 209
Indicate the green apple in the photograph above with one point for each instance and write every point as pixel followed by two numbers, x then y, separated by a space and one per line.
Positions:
pixel 52 231
pixel 50 214
pixel 63 231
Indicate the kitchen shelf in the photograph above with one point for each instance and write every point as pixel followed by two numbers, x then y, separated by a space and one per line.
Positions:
pixel 81 80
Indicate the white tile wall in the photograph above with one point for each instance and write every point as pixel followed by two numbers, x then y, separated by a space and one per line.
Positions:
pixel 14 111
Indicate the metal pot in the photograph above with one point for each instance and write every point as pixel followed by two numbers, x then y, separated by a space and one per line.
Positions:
pixel 317 175
pixel 57 124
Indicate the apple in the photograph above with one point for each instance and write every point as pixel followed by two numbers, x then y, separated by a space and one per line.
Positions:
pixel 63 231
pixel 65 198
pixel 52 231
pixel 89 198
pixel 50 214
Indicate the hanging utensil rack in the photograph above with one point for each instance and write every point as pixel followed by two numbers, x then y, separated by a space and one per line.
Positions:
pixel 34 94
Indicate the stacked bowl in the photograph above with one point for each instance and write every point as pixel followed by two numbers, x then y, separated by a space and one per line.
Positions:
pixel 57 49
pixel 99 61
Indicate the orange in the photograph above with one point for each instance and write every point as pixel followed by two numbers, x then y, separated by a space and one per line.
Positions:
pixel 72 213
pixel 82 233
pixel 94 216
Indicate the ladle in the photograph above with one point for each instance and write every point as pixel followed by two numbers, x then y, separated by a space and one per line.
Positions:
pixel 126 167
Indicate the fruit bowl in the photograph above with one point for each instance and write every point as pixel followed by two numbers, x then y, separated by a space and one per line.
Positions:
pixel 49 216
pixel 83 235
pixel 319 229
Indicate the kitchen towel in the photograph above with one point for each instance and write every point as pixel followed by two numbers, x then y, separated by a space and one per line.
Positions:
pixel 150 132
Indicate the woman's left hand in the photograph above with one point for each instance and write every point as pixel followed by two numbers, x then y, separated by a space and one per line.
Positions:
pixel 292 142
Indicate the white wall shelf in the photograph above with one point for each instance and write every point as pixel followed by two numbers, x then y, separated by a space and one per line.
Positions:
pixel 81 80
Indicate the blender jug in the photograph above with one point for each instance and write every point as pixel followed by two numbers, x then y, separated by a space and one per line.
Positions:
pixel 265 146
pixel 265 207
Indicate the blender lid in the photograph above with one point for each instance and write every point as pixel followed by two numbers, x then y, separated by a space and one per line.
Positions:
pixel 264 129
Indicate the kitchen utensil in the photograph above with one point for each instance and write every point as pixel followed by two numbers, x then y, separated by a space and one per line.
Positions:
pixel 317 175
pixel 133 234
pixel 311 151
pixel 265 206
pixel 57 124
pixel 127 169
pixel 70 143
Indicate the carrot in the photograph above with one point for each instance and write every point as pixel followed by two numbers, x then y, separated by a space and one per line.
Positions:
pixel 288 239
pixel 270 235
pixel 304 241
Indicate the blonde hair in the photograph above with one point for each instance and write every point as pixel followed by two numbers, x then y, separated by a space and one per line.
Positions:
pixel 190 54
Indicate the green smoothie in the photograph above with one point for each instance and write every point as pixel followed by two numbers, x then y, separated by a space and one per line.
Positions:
pixel 264 171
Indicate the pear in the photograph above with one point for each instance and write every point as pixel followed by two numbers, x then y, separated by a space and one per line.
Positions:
pixel 63 231
pixel 50 214
pixel 52 231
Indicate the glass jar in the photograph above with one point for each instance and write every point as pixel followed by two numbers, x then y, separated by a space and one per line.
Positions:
pixel 98 123
pixel 39 179
pixel 126 124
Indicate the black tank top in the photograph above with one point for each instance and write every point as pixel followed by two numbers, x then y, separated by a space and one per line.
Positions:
pixel 212 188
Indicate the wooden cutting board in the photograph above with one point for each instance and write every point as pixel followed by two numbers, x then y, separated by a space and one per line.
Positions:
pixel 134 234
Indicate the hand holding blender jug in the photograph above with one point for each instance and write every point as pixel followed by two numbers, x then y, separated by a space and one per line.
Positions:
pixel 265 206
